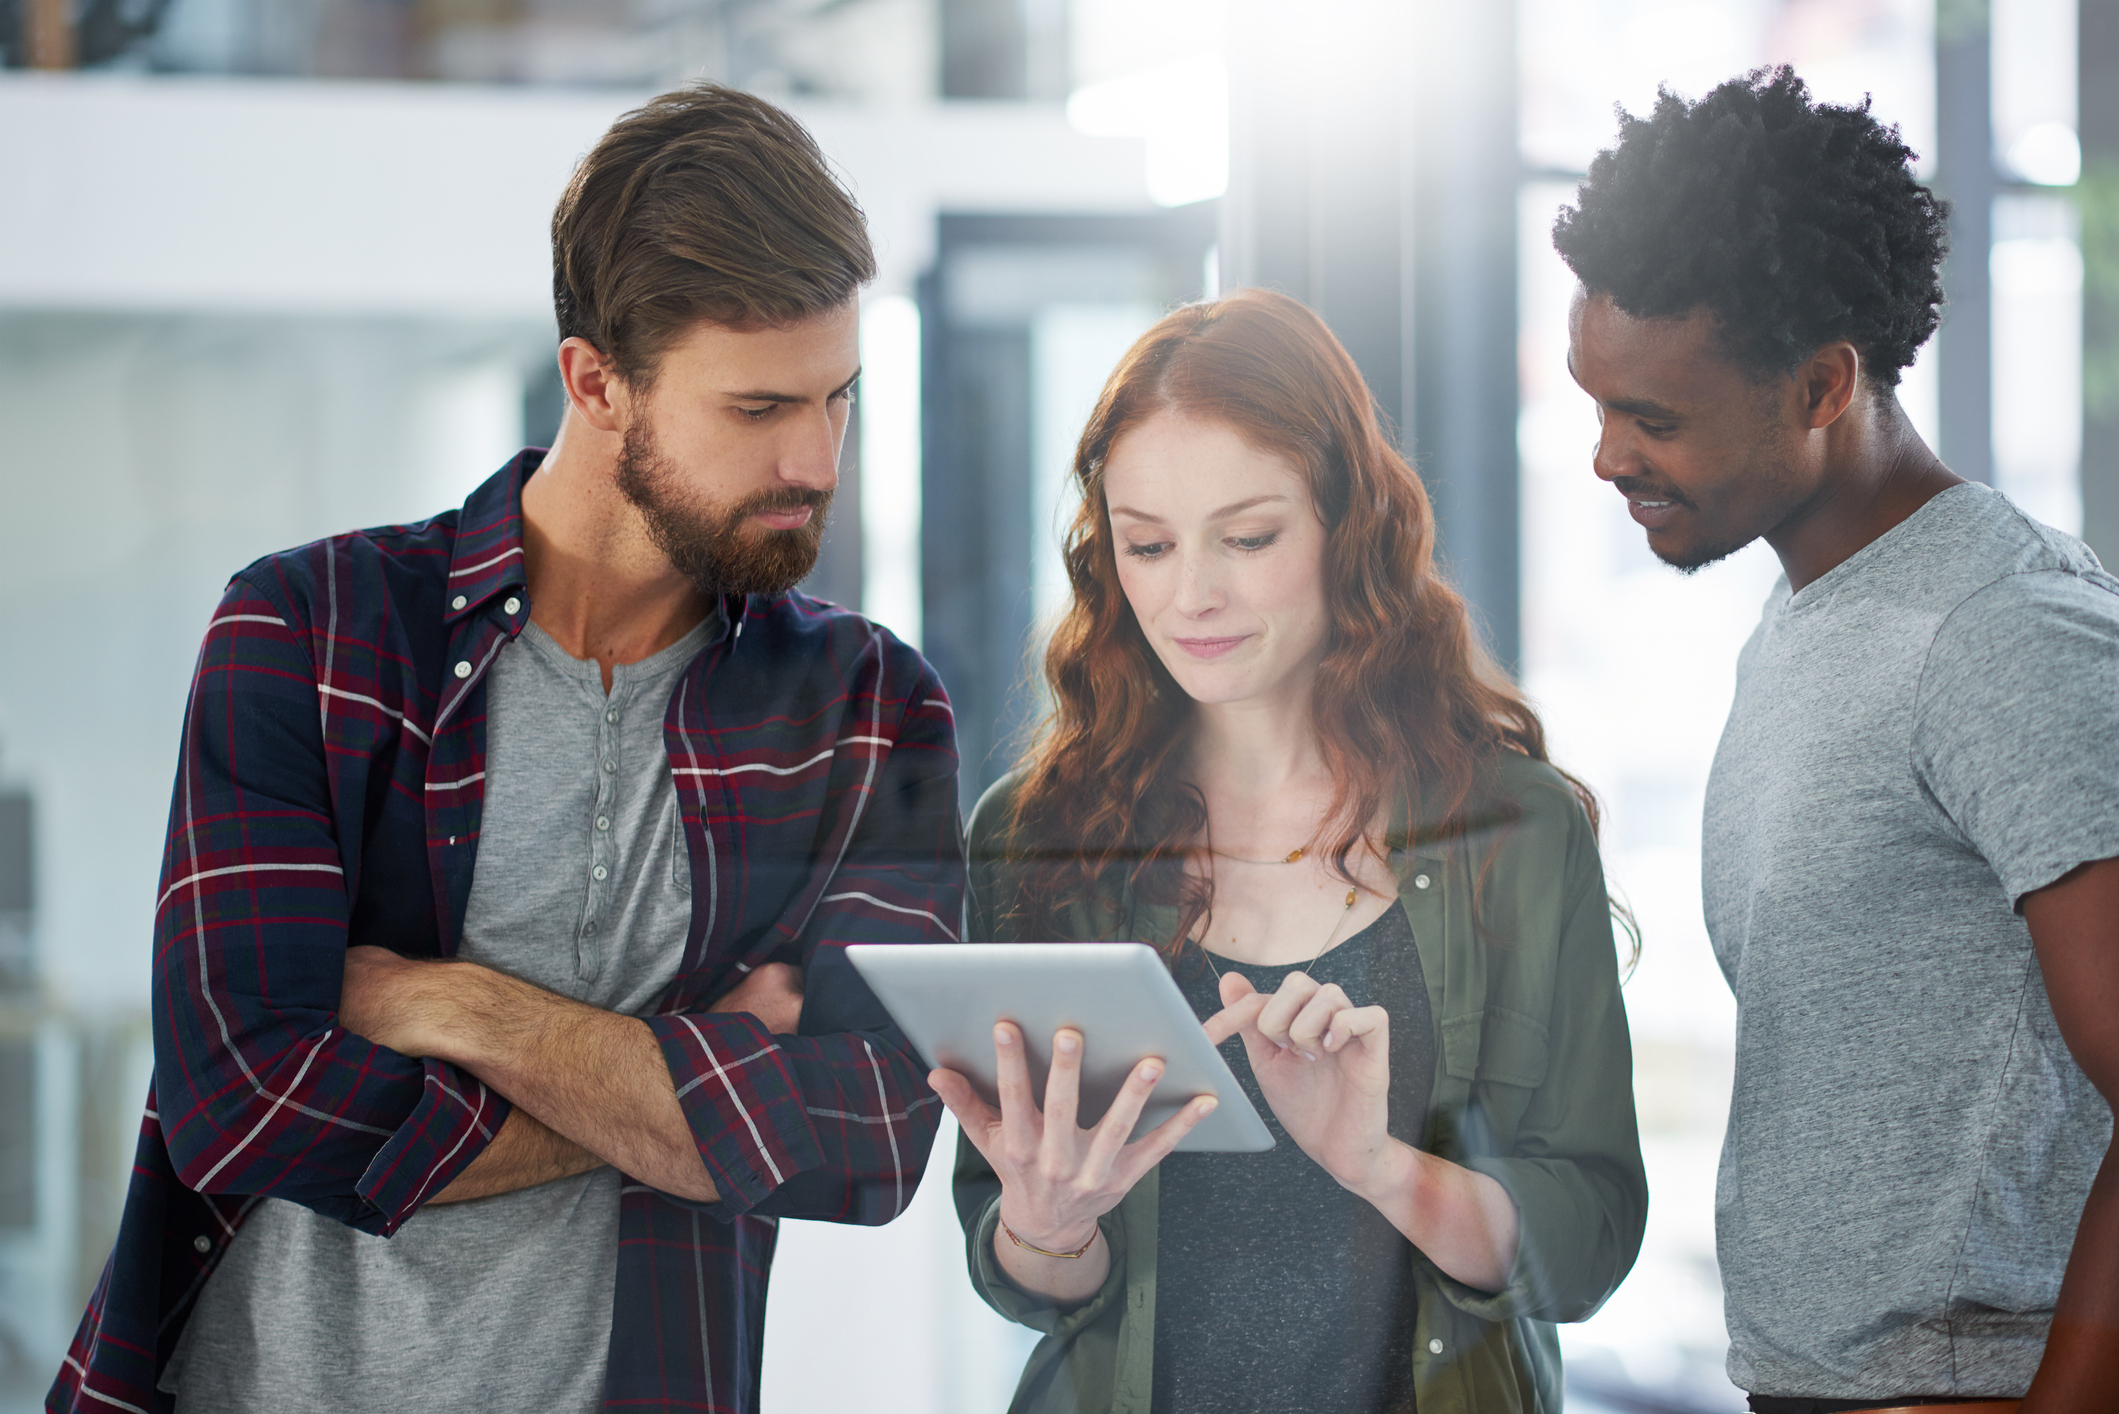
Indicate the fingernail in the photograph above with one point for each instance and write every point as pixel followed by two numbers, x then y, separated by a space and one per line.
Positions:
pixel 1208 1104
pixel 1307 1056
pixel 1151 1073
pixel 1066 1041
pixel 1002 1036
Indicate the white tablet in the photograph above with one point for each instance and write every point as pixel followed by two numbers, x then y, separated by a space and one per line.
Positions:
pixel 946 998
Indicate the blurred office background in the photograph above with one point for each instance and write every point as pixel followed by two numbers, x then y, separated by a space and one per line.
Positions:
pixel 270 269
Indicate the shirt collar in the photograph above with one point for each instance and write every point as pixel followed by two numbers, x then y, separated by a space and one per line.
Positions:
pixel 487 558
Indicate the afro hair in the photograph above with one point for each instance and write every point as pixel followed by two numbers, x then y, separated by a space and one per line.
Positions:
pixel 1793 223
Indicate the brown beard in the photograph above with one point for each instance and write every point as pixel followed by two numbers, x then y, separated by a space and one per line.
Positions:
pixel 710 547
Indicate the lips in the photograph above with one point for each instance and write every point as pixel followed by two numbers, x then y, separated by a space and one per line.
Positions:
pixel 1650 505
pixel 1652 513
pixel 1211 647
pixel 791 519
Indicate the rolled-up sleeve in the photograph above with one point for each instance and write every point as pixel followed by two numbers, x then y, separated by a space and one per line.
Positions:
pixel 836 1123
pixel 1574 1170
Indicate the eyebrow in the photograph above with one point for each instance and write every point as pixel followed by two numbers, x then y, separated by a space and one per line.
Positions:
pixel 762 396
pixel 1223 514
pixel 1632 407
pixel 1643 407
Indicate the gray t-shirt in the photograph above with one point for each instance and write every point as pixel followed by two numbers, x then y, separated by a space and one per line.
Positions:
pixel 1919 738
pixel 582 886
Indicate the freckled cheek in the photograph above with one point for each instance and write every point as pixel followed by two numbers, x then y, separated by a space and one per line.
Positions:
pixel 1140 588
pixel 1286 594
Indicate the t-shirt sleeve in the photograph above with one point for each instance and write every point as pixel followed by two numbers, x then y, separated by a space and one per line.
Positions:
pixel 2016 725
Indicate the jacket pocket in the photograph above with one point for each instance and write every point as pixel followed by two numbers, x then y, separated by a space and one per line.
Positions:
pixel 1496 1046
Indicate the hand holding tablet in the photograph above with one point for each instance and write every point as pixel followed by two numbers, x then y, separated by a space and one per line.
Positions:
pixel 1101 1033
pixel 1117 997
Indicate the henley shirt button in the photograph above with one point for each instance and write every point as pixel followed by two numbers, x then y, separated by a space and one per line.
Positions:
pixel 458 602
pixel 1420 881
pixel 513 605
pixel 611 716
pixel 588 927
pixel 1434 1347
pixel 599 873
pixel 201 1245
pixel 463 669
pixel 603 822
pixel 609 765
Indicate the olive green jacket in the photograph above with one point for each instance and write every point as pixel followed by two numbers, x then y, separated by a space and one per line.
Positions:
pixel 1533 1086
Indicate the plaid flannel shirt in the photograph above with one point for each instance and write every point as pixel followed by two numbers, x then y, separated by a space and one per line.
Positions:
pixel 329 793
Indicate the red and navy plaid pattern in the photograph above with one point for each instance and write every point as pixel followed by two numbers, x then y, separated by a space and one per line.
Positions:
pixel 329 793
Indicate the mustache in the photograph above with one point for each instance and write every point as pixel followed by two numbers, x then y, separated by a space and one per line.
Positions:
pixel 788 498
pixel 1640 486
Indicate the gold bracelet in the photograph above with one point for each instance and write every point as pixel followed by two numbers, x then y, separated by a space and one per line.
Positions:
pixel 1027 1247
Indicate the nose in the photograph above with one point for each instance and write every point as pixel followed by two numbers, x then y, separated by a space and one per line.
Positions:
pixel 1199 590
pixel 1614 456
pixel 810 456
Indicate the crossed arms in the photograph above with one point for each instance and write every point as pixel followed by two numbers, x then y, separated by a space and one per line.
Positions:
pixel 590 1087
pixel 295 833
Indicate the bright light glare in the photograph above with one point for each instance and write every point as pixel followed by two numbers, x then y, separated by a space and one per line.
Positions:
pixel 2048 154
pixel 1182 109
pixel 2038 376
pixel 890 465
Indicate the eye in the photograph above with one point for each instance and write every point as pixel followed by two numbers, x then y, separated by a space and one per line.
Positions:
pixel 1253 542
pixel 1152 551
pixel 1658 429
pixel 757 414
pixel 846 395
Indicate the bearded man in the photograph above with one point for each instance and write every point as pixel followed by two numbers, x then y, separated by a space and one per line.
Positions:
pixel 500 995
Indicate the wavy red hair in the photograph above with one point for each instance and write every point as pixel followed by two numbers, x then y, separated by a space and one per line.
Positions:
pixel 1407 702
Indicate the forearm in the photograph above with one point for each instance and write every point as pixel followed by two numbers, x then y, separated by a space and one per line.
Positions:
pixel 1462 1219
pixel 524 1154
pixel 594 1077
pixel 1064 1281
pixel 2081 1365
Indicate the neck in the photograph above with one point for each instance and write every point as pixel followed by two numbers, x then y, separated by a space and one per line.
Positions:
pixel 597 583
pixel 1877 472
pixel 1258 766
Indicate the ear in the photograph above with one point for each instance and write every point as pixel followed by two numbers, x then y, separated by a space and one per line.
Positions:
pixel 594 390
pixel 1829 380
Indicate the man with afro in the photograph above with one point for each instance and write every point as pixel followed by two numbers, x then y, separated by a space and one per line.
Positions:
pixel 1911 850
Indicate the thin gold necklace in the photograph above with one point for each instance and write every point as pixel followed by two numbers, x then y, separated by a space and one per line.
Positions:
pixel 1338 922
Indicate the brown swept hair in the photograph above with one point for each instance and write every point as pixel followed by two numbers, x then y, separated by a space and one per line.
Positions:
pixel 1407 703
pixel 703 204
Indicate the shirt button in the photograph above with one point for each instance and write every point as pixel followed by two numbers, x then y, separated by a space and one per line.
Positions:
pixel 611 716
pixel 458 602
pixel 201 1245
pixel 603 822
pixel 513 606
pixel 599 873
pixel 463 670
pixel 1434 1347
pixel 609 765
pixel 588 927
pixel 1419 881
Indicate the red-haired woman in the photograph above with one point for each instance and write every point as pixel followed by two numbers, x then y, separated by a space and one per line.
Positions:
pixel 1277 752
